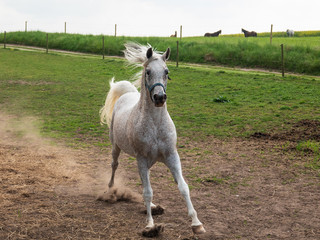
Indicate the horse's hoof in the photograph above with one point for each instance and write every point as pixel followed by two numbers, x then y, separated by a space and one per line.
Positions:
pixel 198 229
pixel 153 231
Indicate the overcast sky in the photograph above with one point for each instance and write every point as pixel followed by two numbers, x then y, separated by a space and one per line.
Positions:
pixel 159 17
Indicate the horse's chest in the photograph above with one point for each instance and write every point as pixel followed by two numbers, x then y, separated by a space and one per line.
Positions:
pixel 153 143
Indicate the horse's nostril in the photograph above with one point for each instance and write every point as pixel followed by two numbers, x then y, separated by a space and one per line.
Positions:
pixel 156 97
pixel 161 98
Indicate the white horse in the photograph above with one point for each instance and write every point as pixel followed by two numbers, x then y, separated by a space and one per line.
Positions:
pixel 141 126
pixel 290 32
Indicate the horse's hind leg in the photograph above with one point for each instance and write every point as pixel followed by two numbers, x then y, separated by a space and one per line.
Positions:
pixel 115 155
pixel 173 163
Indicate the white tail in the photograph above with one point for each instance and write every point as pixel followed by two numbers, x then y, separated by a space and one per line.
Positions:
pixel 116 90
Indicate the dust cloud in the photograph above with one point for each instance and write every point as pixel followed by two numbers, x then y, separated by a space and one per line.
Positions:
pixel 69 171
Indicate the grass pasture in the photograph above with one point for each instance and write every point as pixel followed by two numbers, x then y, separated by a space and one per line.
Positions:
pixel 302 54
pixel 242 174
pixel 67 92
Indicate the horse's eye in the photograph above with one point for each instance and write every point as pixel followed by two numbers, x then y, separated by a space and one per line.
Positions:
pixel 166 71
pixel 148 72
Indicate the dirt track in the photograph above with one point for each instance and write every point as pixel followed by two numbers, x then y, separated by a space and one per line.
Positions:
pixel 242 189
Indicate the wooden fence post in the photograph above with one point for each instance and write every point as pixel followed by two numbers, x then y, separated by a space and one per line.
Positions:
pixel 5 39
pixel 177 58
pixel 115 30
pixel 47 43
pixel 271 34
pixel 282 60
pixel 180 32
pixel 102 47
pixel 26 26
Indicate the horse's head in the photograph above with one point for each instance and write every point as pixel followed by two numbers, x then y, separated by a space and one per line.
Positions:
pixel 156 76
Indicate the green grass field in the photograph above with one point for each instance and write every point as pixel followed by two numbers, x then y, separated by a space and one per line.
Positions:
pixel 301 54
pixel 65 93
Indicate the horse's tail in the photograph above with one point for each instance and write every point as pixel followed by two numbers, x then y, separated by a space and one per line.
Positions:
pixel 116 91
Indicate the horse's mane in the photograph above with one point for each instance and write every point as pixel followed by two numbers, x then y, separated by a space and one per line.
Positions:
pixel 136 54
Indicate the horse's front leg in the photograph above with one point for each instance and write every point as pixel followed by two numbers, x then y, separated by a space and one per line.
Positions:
pixel 173 163
pixel 151 230
pixel 147 190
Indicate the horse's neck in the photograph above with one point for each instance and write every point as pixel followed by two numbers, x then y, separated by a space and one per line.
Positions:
pixel 147 108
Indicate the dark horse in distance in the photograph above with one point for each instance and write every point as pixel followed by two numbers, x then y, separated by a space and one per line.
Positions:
pixel 215 34
pixel 249 34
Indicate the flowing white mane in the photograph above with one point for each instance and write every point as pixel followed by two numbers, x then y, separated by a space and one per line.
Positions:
pixel 136 54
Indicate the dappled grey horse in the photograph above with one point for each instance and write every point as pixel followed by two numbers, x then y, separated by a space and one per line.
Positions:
pixel 141 126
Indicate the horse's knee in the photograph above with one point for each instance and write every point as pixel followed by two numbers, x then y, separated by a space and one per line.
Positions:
pixel 147 195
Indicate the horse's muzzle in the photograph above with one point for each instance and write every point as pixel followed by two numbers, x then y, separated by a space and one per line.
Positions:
pixel 159 99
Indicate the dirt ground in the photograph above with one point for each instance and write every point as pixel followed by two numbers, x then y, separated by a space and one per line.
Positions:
pixel 255 188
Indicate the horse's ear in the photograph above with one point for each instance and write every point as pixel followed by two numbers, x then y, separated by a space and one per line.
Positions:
pixel 166 55
pixel 149 53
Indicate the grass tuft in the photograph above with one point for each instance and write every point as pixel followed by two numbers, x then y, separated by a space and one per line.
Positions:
pixel 221 99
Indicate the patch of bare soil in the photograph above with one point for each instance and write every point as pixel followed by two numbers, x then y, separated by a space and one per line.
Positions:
pixel 241 189
pixel 300 131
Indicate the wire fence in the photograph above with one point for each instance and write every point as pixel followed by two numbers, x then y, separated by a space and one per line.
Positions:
pixel 178 48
